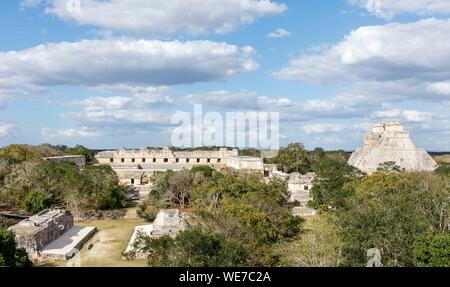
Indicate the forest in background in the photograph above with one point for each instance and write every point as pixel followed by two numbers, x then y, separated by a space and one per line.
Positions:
pixel 240 220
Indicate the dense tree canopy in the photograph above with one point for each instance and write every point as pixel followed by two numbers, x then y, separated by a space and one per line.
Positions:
pixel 432 250
pixel 193 248
pixel 233 206
pixel 37 185
pixel 390 211
pixel 331 185
pixel 292 158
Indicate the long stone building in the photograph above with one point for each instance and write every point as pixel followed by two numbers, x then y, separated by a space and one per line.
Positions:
pixel 134 167
pixel 78 160
pixel 390 142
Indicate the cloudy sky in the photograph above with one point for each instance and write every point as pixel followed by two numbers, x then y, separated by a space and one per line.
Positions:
pixel 110 74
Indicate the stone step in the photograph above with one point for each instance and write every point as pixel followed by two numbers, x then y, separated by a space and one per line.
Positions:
pixel 68 244
pixel 304 211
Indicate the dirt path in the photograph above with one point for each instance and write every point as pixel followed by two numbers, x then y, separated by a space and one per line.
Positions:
pixel 109 242
pixel 131 213
pixel 105 248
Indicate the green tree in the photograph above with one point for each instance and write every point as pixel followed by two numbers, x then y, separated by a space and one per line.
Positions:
pixel 174 188
pixel 80 150
pixel 208 194
pixel 253 220
pixel 44 177
pixel 432 250
pixel 332 184
pixel 148 210
pixel 443 169
pixel 240 206
pixel 36 202
pixel 102 188
pixel 10 255
pixel 389 166
pixel 192 248
pixel 390 210
pixel 319 244
pixel 292 158
pixel 205 170
pixel 250 152
pixel 19 153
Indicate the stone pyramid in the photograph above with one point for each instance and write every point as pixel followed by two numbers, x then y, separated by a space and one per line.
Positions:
pixel 389 142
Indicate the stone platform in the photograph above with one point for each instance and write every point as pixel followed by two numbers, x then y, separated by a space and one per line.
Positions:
pixel 303 211
pixel 68 244
pixel 168 222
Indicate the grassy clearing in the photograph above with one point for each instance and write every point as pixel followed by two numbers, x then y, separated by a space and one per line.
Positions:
pixel 317 246
pixel 108 244
pixel 443 158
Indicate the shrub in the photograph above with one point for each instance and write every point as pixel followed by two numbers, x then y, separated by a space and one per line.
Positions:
pixel 9 254
pixel 36 202
pixel 432 251
pixel 148 211
pixel 193 248
pixel 205 170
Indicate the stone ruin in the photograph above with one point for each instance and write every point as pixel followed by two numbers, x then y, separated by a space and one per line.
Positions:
pixel 51 234
pixel 78 160
pixel 135 167
pixel 34 233
pixel 389 142
pixel 168 222
pixel 300 185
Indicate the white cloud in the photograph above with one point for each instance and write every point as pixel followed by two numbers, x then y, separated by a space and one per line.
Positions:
pixel 131 118
pixel 227 99
pixel 6 129
pixel 71 133
pixel 96 103
pixel 236 100
pixel 131 65
pixel 321 128
pixel 339 106
pixel 395 51
pixel 29 3
pixel 442 88
pixel 142 95
pixel 389 8
pixel 122 62
pixel 279 33
pixel 404 115
pixel 162 17
pixel 392 113
pixel 137 101
pixel 393 62
pixel 416 116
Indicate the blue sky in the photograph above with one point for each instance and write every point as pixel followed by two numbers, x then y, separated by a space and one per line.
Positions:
pixel 110 74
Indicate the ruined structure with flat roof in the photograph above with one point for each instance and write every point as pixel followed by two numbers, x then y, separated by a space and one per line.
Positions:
pixel 34 233
pixel 168 222
pixel 78 160
pixel 389 142
pixel 51 234
pixel 134 167
pixel 299 186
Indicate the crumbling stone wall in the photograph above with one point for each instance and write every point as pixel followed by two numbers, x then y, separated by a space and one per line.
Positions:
pixel 34 233
pixel 79 160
